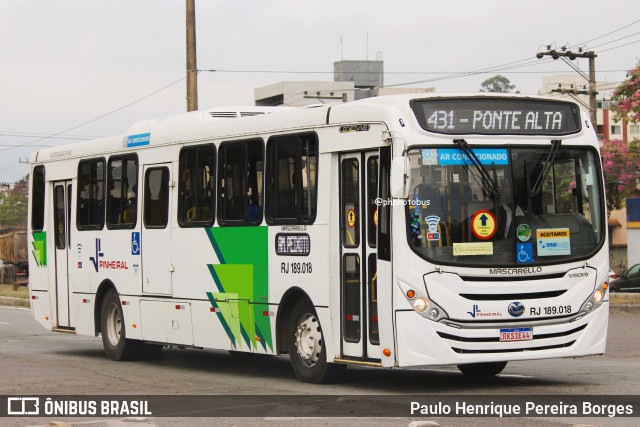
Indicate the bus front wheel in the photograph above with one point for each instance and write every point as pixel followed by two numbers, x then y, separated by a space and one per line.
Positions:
pixel 490 369
pixel 307 348
pixel 114 339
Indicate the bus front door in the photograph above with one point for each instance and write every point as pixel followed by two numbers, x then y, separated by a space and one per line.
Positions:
pixel 358 230
pixel 61 222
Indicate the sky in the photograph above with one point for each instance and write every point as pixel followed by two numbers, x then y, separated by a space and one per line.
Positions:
pixel 80 69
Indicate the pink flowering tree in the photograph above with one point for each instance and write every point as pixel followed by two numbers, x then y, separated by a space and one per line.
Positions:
pixel 626 98
pixel 621 172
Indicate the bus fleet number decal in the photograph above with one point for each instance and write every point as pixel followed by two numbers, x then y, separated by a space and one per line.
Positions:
pixel 295 267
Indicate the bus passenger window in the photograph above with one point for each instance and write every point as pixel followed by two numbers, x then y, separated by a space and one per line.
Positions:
pixel 292 171
pixel 196 186
pixel 122 195
pixel 90 207
pixel 240 183
pixel 37 199
pixel 156 197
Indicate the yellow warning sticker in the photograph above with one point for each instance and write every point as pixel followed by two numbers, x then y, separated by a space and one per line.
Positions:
pixel 483 224
pixel 351 218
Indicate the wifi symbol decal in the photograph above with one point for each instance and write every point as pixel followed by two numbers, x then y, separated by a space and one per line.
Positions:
pixel 433 222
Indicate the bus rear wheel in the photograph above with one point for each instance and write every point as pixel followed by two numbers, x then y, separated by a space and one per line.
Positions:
pixel 490 369
pixel 307 349
pixel 114 338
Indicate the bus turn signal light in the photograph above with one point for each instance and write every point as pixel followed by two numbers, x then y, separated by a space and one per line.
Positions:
pixel 411 294
pixel 386 352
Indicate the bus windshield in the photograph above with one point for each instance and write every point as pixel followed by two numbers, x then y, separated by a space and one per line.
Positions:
pixel 518 206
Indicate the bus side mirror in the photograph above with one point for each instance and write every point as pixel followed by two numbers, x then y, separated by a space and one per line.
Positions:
pixel 398 185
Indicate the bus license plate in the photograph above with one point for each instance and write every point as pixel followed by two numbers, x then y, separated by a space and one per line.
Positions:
pixel 516 334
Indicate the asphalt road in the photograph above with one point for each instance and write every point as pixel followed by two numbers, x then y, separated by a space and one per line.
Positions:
pixel 35 361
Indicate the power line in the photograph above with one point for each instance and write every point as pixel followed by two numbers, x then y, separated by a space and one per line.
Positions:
pixel 609 33
pixel 97 118
pixel 622 45
pixel 45 135
pixel 616 40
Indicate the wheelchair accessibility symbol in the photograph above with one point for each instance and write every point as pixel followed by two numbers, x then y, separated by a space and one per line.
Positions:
pixel 135 243
pixel 524 253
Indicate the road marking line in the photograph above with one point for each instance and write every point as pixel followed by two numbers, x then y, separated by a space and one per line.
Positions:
pixel 5 323
pixel 15 308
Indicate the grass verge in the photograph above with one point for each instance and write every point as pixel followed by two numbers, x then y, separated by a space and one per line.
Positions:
pixel 14 291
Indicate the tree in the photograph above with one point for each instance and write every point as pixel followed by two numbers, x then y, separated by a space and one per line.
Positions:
pixel 621 173
pixel 13 207
pixel 626 98
pixel 499 84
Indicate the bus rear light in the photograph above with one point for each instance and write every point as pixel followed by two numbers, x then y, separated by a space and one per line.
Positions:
pixel 86 300
pixel 124 302
pixel 213 309
pixel 352 317
pixel 420 305
pixel 179 307
pixel 34 297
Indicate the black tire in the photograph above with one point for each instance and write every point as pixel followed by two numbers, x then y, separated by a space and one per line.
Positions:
pixel 114 338
pixel 490 369
pixel 307 349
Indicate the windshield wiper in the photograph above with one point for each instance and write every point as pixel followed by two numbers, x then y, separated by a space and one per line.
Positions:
pixel 487 179
pixel 537 187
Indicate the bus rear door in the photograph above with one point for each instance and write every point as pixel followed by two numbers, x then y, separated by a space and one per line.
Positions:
pixel 156 231
pixel 61 222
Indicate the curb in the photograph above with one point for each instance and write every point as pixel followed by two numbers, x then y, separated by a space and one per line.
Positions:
pixel 15 302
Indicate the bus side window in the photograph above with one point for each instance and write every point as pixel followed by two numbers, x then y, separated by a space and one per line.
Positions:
pixel 292 169
pixel 122 197
pixel 37 199
pixel 240 182
pixel 156 197
pixel 91 192
pixel 196 186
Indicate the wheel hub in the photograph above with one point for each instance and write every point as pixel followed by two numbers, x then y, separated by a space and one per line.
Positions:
pixel 114 325
pixel 309 340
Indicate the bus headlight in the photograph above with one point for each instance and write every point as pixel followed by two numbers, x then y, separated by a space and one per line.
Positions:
pixel 596 300
pixel 598 296
pixel 420 304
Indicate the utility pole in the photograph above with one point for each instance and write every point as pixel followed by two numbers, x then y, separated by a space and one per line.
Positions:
pixel 592 74
pixel 192 63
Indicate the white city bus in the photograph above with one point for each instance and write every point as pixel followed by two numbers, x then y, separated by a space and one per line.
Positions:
pixel 398 231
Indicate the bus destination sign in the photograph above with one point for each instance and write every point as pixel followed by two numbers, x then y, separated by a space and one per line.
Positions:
pixel 497 116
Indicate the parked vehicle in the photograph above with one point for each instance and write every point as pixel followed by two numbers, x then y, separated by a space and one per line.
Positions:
pixel 629 281
pixel 14 252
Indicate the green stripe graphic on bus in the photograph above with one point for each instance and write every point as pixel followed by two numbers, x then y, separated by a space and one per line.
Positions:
pixel 241 278
pixel 40 248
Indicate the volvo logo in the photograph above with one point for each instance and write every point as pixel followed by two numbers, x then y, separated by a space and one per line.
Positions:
pixel 516 309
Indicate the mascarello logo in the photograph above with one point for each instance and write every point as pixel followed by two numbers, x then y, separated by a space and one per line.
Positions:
pixel 516 309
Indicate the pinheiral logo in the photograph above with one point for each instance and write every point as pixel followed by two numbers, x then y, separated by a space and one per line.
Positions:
pixel 516 309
